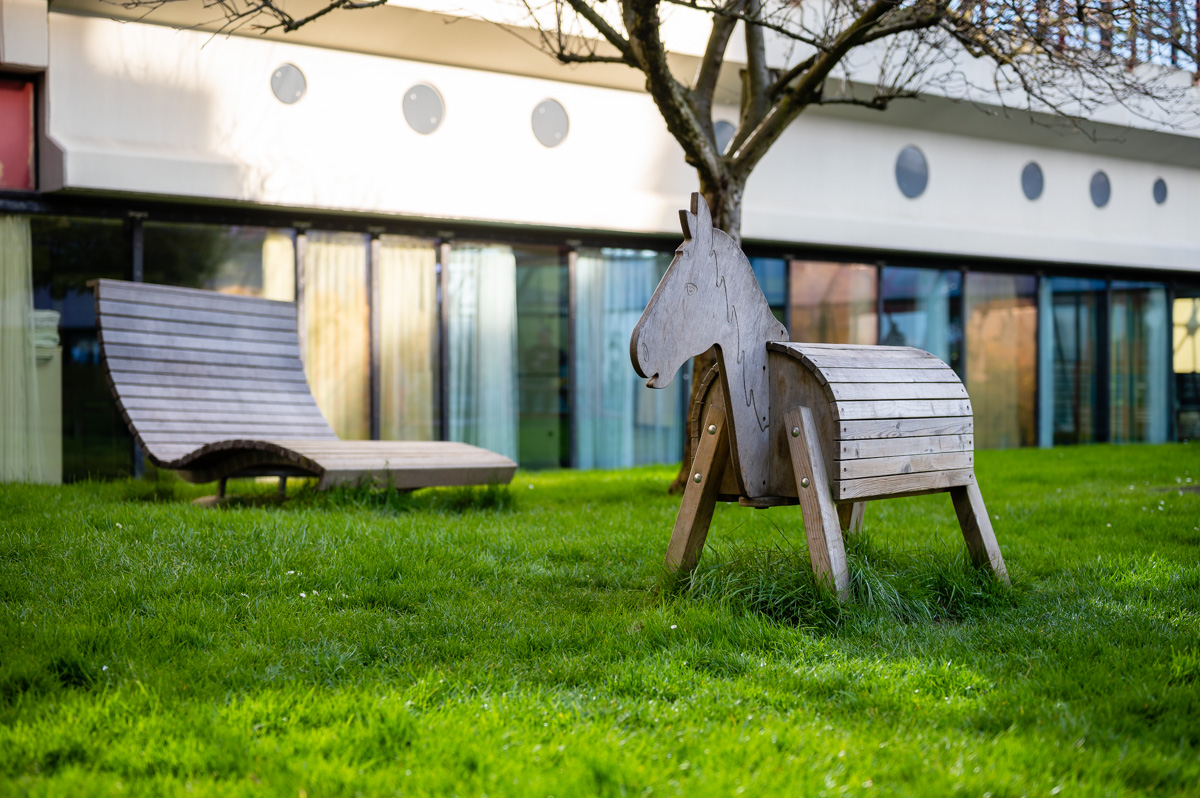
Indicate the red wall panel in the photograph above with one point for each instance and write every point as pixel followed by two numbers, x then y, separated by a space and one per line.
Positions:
pixel 16 134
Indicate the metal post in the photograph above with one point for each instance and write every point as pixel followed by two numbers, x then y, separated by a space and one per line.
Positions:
pixel 443 339
pixel 135 235
pixel 373 336
pixel 572 376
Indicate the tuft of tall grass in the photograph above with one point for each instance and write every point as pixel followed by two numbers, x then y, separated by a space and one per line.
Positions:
pixel 931 584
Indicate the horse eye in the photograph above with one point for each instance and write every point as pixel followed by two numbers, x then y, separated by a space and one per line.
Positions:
pixel 691 288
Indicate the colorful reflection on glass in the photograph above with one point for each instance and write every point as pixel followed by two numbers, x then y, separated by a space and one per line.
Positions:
pixel 1001 335
pixel 833 303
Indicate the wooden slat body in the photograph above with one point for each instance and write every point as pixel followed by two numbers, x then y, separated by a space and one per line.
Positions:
pixel 896 420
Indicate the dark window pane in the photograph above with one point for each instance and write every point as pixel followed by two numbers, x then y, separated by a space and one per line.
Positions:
pixel 1074 338
pixel 542 387
pixel 1186 356
pixel 1139 366
pixel 67 253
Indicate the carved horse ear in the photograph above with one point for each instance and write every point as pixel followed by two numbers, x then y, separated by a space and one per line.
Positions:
pixel 697 223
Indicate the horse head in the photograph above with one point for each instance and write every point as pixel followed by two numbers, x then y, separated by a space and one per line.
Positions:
pixel 709 298
pixel 675 325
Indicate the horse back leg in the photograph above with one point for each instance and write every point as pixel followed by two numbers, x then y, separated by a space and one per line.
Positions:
pixel 977 529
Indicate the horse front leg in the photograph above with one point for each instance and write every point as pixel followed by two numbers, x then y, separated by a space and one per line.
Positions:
pixel 700 495
pixel 826 549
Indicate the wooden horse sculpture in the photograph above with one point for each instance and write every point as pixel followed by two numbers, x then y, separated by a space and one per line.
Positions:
pixel 827 426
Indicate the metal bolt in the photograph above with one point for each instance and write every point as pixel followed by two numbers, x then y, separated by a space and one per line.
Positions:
pixel 697 478
pixel 712 429
pixel 795 432
pixel 804 482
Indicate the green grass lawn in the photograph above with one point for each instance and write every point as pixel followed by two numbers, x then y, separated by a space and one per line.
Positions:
pixel 524 641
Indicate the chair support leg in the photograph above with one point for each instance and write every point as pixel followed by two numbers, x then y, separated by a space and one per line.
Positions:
pixel 825 546
pixel 221 488
pixel 282 491
pixel 977 530
pixel 700 496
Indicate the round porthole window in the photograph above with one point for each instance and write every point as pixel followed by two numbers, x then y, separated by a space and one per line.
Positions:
pixel 423 108
pixel 1032 181
pixel 1101 189
pixel 723 132
pixel 1160 191
pixel 550 123
pixel 912 172
pixel 288 84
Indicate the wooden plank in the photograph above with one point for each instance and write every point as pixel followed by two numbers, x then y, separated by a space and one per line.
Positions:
pixel 863 391
pixel 131 378
pixel 227 405
pixel 893 447
pixel 161 354
pixel 904 464
pixel 904 428
pixel 854 354
pixel 170 330
pixel 906 484
pixel 805 345
pixel 710 297
pixel 129 365
pixel 171 414
pixel 188 343
pixel 107 308
pixel 850 374
pixel 177 296
pixel 206 432
pixel 266 396
pixel 275 427
pixel 826 549
pixel 977 530
pixel 905 408
pixel 868 360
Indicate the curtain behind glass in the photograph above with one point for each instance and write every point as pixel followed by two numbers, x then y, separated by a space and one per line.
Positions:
pixel 619 422
pixel 336 356
pixel 481 315
pixel 1001 335
pixel 22 453
pixel 278 266
pixel 405 306
pixel 1139 358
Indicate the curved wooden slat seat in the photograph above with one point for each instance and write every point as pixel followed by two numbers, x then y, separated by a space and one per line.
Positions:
pixel 212 386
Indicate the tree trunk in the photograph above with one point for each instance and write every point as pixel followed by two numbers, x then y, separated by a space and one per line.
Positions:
pixel 724 198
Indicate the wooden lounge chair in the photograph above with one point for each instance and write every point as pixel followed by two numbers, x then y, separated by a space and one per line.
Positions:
pixel 212 386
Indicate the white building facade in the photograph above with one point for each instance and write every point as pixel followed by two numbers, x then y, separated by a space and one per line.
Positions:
pixel 471 230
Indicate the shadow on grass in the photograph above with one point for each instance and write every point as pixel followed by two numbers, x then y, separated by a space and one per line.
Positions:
pixel 165 487
pixel 929 585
